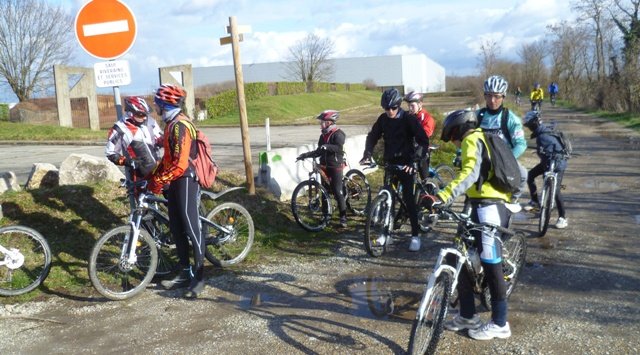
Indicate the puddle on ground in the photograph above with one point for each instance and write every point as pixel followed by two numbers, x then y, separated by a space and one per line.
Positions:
pixel 637 218
pixel 384 298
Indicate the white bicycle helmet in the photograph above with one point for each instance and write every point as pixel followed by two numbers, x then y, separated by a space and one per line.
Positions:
pixel 496 84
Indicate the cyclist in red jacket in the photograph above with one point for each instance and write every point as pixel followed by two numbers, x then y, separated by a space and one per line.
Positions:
pixel 414 99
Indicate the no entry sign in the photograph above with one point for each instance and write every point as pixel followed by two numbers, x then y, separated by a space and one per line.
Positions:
pixel 106 29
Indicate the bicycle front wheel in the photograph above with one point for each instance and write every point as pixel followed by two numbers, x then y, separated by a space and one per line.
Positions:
pixel 545 208
pixel 231 234
pixel 27 261
pixel 444 175
pixel 356 191
pixel 513 259
pixel 311 206
pixel 111 272
pixel 428 325
pixel 376 230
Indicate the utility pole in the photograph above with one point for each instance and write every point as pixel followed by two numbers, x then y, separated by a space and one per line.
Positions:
pixel 235 39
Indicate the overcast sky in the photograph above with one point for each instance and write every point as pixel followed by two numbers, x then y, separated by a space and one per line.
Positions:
pixel 172 32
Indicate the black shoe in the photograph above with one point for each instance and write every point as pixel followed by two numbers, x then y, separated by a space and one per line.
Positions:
pixel 195 288
pixel 181 280
pixel 343 222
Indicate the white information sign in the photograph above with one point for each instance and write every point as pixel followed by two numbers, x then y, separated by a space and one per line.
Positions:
pixel 112 73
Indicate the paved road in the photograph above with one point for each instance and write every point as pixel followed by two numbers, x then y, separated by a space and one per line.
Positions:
pixel 227 147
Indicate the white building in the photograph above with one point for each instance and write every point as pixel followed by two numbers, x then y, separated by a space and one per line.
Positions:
pixel 412 72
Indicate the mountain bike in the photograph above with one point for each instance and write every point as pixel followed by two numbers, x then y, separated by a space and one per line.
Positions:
pixel 536 105
pixel 442 174
pixel 440 291
pixel 311 203
pixel 548 195
pixel 25 260
pixel 126 258
pixel 552 99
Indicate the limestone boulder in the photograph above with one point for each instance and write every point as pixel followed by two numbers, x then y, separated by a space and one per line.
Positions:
pixel 79 169
pixel 8 182
pixel 43 175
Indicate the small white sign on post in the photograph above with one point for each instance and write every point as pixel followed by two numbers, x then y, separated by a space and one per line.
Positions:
pixel 112 73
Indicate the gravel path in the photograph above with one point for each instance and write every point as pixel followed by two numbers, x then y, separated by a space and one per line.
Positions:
pixel 578 294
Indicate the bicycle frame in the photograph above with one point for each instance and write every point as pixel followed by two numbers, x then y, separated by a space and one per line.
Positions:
pixel 550 178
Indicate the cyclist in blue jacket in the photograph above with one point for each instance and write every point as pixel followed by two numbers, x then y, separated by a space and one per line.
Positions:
pixel 547 146
pixel 497 119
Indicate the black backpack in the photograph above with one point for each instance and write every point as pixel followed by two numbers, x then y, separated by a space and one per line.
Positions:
pixel 563 140
pixel 506 172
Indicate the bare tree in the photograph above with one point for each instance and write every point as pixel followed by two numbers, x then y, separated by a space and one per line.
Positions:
pixel 628 23
pixel 593 12
pixel 34 35
pixel 309 60
pixel 489 53
pixel 533 55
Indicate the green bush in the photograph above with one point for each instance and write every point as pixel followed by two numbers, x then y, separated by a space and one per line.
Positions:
pixel 4 112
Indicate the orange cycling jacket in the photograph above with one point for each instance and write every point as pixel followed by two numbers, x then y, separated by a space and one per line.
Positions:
pixel 179 135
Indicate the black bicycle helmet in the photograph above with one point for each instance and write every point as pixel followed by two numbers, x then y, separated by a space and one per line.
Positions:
pixel 457 124
pixel 390 98
pixel 532 119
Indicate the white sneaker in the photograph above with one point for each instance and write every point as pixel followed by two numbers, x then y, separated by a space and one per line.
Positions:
pixel 490 331
pixel 415 244
pixel 531 206
pixel 459 323
pixel 562 223
pixel 381 240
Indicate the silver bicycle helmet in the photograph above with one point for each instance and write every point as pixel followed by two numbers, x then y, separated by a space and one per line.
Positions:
pixel 413 96
pixel 496 84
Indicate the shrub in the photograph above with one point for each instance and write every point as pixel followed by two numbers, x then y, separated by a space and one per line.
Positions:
pixel 4 112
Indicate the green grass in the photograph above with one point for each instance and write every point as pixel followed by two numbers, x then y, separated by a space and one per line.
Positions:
pixel 11 131
pixel 298 109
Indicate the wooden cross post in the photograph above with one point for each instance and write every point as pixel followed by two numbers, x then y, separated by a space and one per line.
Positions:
pixel 235 39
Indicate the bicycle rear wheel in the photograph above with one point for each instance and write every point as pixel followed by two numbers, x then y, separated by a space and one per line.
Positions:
pixel 356 191
pixel 514 254
pixel 377 226
pixel 112 274
pixel 27 262
pixel 311 206
pixel 545 208
pixel 428 325
pixel 231 243
pixel 444 174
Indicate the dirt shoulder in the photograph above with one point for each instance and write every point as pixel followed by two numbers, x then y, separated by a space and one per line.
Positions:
pixel 577 295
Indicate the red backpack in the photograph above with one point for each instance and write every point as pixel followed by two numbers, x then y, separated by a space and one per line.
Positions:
pixel 206 169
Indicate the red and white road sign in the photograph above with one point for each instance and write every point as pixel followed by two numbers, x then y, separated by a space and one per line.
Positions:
pixel 106 29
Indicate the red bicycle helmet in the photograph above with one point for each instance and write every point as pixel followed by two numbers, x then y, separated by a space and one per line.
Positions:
pixel 329 115
pixel 136 105
pixel 170 94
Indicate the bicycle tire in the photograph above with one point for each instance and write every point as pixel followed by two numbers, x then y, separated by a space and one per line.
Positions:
pixel 427 328
pixel 357 191
pixel 167 256
pixel 545 209
pixel 311 206
pixel 31 268
pixel 444 174
pixel 226 249
pixel 112 276
pixel 514 256
pixel 375 226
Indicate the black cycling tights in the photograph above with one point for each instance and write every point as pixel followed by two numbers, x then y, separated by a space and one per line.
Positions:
pixel 184 223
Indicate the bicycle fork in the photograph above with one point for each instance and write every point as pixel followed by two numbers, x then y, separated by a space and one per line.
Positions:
pixel 128 255
pixel 13 258
pixel 439 268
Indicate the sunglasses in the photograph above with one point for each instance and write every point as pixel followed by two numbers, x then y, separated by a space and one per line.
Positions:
pixel 392 108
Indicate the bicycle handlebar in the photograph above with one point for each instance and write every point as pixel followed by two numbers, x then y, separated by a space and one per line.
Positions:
pixel 461 217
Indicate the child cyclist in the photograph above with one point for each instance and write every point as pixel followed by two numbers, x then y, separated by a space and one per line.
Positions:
pixel 487 205
pixel 331 156
pixel 548 147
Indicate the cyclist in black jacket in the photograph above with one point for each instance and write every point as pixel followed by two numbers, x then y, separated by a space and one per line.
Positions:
pixel 331 157
pixel 400 130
